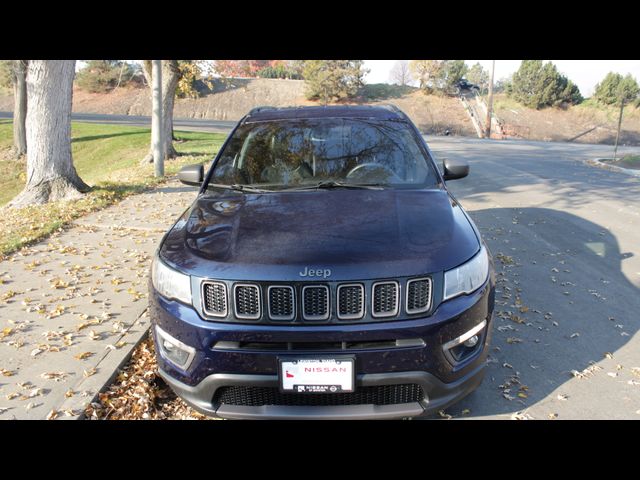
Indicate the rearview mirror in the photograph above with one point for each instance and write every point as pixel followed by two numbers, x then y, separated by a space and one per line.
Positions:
pixel 191 175
pixel 454 169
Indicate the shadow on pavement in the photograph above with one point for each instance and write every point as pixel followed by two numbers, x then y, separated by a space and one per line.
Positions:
pixel 562 304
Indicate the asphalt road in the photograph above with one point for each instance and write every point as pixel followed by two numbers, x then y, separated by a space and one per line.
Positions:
pixel 196 125
pixel 565 237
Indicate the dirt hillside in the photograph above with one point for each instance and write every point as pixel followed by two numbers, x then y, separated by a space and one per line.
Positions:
pixel 584 123
pixel 232 99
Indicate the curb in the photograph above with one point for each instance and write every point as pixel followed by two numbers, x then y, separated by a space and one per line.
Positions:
pixel 108 368
pixel 600 163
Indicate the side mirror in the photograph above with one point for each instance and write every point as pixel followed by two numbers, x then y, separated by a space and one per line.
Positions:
pixel 191 175
pixel 454 169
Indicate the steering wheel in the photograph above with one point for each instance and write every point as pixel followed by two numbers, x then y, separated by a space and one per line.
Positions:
pixel 373 172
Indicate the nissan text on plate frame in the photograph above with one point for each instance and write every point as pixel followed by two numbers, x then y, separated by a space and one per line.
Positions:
pixel 323 271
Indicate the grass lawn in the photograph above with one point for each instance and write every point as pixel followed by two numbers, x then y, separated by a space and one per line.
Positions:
pixel 629 161
pixel 107 158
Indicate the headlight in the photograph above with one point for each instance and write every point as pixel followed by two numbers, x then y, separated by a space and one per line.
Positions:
pixel 467 277
pixel 169 282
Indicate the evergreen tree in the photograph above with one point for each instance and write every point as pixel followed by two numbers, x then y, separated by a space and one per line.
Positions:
pixel 537 85
pixel 328 80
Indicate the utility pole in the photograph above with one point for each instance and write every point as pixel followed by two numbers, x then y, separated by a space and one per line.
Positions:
pixel 487 132
pixel 615 150
pixel 156 120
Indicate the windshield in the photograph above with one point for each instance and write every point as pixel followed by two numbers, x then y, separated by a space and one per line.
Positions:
pixel 305 152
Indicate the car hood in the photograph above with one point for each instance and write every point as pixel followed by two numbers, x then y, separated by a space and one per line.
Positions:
pixel 357 234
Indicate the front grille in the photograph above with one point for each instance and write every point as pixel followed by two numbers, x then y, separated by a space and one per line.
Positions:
pixel 214 295
pixel 350 301
pixel 315 302
pixel 374 395
pixel 281 303
pixel 418 295
pixel 385 299
pixel 247 301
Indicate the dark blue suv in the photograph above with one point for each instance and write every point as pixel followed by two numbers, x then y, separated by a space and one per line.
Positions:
pixel 323 271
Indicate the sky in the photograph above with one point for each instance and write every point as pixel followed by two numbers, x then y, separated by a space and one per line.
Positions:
pixel 584 73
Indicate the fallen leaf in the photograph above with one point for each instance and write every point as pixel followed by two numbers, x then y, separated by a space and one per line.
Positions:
pixel 53 414
pixel 57 376
pixel 521 416
pixel 83 356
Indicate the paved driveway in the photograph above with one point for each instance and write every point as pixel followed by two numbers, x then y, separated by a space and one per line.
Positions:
pixel 566 240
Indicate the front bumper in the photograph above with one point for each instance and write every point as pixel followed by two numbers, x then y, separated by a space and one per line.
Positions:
pixel 426 365
pixel 438 395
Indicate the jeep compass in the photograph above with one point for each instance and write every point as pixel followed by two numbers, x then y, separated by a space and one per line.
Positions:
pixel 324 271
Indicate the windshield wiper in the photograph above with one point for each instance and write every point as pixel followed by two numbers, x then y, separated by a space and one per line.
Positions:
pixel 334 184
pixel 240 188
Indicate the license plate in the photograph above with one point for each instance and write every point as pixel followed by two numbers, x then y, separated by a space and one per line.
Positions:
pixel 317 375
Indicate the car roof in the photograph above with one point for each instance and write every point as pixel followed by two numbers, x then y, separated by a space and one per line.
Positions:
pixel 382 112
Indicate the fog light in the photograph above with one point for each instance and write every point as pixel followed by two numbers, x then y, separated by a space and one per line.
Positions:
pixel 464 346
pixel 173 350
pixel 471 342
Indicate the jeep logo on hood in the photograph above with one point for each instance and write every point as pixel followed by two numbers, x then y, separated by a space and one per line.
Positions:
pixel 318 272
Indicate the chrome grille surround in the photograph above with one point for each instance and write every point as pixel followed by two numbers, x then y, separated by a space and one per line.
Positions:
pixel 278 298
pixel 214 293
pixel 385 300
pixel 311 302
pixel 247 301
pixel 349 302
pixel 419 291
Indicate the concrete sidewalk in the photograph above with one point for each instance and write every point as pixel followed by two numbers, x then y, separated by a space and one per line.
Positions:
pixel 73 307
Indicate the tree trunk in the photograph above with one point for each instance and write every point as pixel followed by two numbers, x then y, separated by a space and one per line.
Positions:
pixel 170 77
pixel 51 175
pixel 20 107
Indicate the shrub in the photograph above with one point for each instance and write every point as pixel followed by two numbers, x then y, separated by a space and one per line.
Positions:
pixel 332 79
pixel 537 85
pixel 100 76
pixel 615 88
pixel 279 71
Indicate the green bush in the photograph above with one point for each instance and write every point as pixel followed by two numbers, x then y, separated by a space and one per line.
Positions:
pixel 327 80
pixel 615 88
pixel 279 71
pixel 537 85
pixel 100 76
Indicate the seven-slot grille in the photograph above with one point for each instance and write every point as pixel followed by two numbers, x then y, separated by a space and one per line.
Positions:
pixel 315 302
pixel 418 295
pixel 280 300
pixel 247 301
pixel 281 303
pixel 350 301
pixel 214 296
pixel 385 299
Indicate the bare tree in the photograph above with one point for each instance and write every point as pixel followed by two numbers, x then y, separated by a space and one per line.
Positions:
pixel 19 78
pixel 170 77
pixel 400 73
pixel 50 172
